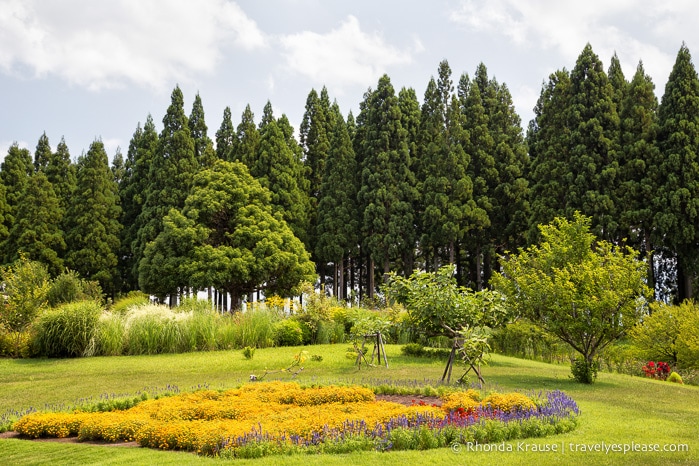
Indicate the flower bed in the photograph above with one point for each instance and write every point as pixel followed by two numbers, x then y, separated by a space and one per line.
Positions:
pixel 266 418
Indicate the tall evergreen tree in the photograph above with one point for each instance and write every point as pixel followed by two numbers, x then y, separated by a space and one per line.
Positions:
pixel 618 81
pixel 677 197
pixel 118 167
pixel 203 146
pixel 510 217
pixel 60 172
pixel 3 211
pixel 484 174
pixel 226 138
pixel 36 231
pixel 248 136
pixel 15 171
pixel 387 192
pixel 594 126
pixel 638 161
pixel 314 135
pixel 337 216
pixel 549 150
pixel 170 175
pixel 132 194
pixel 410 121
pixel 42 154
pixel 93 218
pixel 279 169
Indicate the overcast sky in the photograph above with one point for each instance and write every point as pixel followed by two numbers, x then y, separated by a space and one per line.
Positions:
pixel 87 69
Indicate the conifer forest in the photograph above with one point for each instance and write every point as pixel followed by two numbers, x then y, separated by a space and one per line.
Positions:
pixel 414 180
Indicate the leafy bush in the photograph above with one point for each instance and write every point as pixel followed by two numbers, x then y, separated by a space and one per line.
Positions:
pixel 288 332
pixel 413 349
pixel 26 287
pixel 674 377
pixel 67 330
pixel 14 344
pixel 330 332
pixel 69 287
pixel 670 333
pixel 583 371
pixel 248 352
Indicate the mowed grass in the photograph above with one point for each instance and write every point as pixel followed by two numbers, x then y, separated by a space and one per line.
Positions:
pixel 617 410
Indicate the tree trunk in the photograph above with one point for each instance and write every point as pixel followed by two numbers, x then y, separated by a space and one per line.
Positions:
pixel 341 289
pixel 370 273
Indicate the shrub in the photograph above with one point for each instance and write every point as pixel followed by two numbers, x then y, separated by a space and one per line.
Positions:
pixel 413 349
pixel 14 344
pixel 248 352
pixel 69 287
pixel 67 330
pixel 26 286
pixel 288 332
pixel 583 371
pixel 675 378
pixel 330 332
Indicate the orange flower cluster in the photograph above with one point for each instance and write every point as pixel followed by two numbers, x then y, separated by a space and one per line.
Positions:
pixel 206 421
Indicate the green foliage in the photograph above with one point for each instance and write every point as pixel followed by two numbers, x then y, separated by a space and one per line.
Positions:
pixel 524 339
pixel 132 191
pixel 659 335
pixel 110 336
pixel 278 168
pixel 288 332
pixel 226 138
pixel 36 229
pixel 413 349
pixel 15 172
pixel 66 331
pixel 387 190
pixel 688 341
pixel 69 287
pixel 226 237
pixel 675 197
pixel 249 352
pixel 170 177
pixel 438 306
pixel 132 299
pixel 93 219
pixel 25 295
pixel 583 370
pixel 587 293
pixel 255 328
pixel 674 377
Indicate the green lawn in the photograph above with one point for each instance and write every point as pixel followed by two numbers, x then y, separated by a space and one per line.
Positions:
pixel 617 411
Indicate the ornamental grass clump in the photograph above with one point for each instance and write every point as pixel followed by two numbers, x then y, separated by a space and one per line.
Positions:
pixel 264 418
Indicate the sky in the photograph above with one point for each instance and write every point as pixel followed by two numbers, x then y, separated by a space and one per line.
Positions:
pixel 86 70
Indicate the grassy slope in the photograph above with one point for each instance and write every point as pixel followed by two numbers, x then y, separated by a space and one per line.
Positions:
pixel 617 409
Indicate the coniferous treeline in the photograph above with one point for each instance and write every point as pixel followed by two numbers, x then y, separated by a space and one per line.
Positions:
pixel 403 185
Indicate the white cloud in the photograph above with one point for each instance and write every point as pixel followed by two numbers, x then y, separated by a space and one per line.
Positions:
pixel 646 30
pixel 107 44
pixel 343 57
